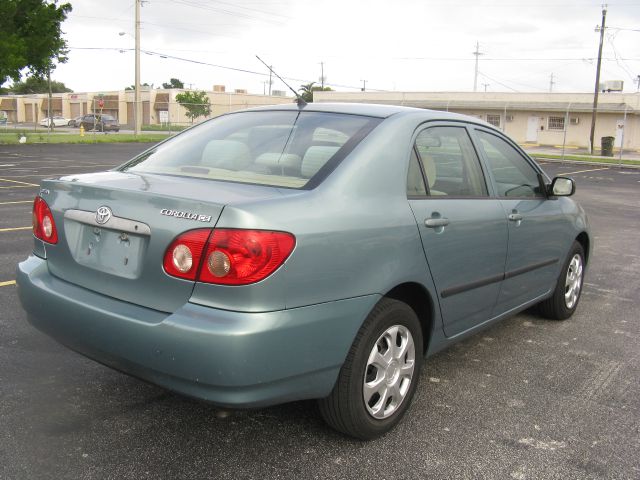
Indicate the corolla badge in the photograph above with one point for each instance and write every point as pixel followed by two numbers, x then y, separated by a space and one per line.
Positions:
pixel 103 214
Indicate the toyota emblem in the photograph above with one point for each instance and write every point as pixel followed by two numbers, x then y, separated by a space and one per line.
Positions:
pixel 103 214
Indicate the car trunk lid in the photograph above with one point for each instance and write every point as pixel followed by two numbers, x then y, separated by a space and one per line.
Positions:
pixel 115 227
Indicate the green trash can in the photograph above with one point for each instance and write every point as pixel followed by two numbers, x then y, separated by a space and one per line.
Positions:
pixel 606 146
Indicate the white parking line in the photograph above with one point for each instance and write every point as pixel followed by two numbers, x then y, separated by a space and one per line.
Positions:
pixel 14 229
pixel 585 171
pixel 17 201
pixel 16 181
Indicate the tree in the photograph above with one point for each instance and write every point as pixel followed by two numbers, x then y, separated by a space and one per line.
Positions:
pixel 173 83
pixel 35 84
pixel 308 89
pixel 195 103
pixel 133 87
pixel 30 37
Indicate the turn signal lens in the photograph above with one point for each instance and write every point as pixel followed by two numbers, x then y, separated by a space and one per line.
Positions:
pixel 241 257
pixel 44 228
pixel 183 256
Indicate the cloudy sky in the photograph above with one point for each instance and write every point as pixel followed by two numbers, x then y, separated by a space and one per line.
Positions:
pixel 404 45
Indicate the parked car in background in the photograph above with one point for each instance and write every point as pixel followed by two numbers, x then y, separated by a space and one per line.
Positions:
pixel 75 122
pixel 315 252
pixel 100 122
pixel 57 121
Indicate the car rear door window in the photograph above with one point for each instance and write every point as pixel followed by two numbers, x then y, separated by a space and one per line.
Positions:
pixel 415 179
pixel 513 175
pixel 450 163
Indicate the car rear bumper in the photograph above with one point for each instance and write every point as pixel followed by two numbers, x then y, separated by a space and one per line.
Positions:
pixel 233 359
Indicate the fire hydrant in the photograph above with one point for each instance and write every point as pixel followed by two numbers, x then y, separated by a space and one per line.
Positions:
pixel 81 130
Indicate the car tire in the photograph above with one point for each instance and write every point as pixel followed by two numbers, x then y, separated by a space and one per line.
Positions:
pixel 391 385
pixel 566 295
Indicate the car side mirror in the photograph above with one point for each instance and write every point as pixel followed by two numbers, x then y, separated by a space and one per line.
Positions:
pixel 562 187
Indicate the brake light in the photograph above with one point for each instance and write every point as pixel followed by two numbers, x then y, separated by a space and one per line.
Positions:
pixel 183 256
pixel 44 228
pixel 228 256
pixel 240 257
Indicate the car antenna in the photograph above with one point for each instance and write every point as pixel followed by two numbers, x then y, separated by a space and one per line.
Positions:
pixel 299 100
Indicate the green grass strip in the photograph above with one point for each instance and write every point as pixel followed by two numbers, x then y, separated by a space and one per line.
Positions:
pixel 12 138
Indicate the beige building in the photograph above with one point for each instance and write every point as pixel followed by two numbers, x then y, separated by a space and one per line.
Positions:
pixel 158 106
pixel 535 118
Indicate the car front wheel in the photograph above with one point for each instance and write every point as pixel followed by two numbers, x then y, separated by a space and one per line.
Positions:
pixel 566 295
pixel 380 374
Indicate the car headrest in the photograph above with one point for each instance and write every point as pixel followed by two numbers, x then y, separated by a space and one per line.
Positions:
pixel 315 158
pixel 286 161
pixel 229 154
pixel 429 168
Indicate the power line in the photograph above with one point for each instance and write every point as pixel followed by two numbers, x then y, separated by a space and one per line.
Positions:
pixel 225 67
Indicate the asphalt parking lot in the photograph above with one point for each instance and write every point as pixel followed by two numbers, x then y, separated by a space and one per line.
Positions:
pixel 526 399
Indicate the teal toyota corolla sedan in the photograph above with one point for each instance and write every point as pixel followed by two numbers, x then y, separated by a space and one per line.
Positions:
pixel 303 252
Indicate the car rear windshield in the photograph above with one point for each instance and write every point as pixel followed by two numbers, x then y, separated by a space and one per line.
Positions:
pixel 290 149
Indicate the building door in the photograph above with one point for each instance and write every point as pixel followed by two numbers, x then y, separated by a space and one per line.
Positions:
pixel 619 132
pixel 28 112
pixel 532 129
pixel 75 110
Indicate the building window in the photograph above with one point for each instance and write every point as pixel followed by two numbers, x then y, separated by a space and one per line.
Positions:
pixel 556 123
pixel 494 120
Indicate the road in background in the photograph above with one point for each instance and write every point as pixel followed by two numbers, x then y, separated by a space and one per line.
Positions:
pixel 525 399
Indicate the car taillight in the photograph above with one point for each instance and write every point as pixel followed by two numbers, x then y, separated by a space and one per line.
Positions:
pixel 183 256
pixel 232 257
pixel 44 227
pixel 240 257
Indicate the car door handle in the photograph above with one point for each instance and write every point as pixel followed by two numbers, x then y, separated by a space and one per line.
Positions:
pixel 436 222
pixel 515 217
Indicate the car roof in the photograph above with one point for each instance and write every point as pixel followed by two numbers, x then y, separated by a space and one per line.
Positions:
pixel 370 110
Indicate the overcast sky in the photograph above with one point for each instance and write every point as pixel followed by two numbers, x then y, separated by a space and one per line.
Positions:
pixel 403 45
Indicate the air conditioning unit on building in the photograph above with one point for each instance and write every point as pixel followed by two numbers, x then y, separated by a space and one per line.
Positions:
pixel 509 118
pixel 574 120
pixel 612 86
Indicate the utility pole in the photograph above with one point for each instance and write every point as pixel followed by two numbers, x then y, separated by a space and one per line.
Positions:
pixel 136 97
pixel 475 78
pixel 364 85
pixel 551 84
pixel 638 82
pixel 270 81
pixel 322 74
pixel 485 85
pixel 597 87
pixel 49 112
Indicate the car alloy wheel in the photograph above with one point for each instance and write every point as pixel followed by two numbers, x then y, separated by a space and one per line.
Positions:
pixel 380 374
pixel 389 372
pixel 573 282
pixel 566 295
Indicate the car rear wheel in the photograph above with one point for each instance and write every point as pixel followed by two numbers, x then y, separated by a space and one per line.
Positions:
pixel 380 374
pixel 566 295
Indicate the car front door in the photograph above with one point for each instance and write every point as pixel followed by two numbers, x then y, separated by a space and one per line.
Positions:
pixel 537 226
pixel 462 228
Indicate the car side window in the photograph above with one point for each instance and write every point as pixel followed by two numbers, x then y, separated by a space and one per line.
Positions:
pixel 415 180
pixel 513 174
pixel 450 163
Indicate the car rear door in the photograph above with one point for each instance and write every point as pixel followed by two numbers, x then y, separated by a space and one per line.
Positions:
pixel 462 228
pixel 537 225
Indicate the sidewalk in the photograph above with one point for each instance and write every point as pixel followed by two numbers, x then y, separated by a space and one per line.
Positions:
pixel 576 154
